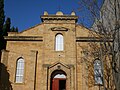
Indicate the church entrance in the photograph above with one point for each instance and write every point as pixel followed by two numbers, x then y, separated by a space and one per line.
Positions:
pixel 58 80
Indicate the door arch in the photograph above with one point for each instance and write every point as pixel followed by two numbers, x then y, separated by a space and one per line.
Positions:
pixel 58 80
pixel 61 68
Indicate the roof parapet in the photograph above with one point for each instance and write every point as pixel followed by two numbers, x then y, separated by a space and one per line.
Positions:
pixel 59 17
pixel 59 13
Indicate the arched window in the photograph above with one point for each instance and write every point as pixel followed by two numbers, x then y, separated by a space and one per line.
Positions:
pixel 98 72
pixel 59 42
pixel 19 70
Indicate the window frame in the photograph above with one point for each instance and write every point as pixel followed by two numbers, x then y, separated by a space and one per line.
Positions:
pixel 98 72
pixel 59 45
pixel 20 69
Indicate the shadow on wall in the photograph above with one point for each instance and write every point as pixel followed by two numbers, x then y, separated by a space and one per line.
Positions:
pixel 5 84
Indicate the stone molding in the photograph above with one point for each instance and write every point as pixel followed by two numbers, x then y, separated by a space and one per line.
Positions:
pixel 59 18
pixel 23 38
pixel 93 39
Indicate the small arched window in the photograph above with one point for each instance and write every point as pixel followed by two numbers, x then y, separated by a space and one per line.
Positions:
pixel 19 71
pixel 59 42
pixel 98 72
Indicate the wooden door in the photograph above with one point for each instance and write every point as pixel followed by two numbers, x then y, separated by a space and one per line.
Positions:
pixel 55 84
pixel 58 84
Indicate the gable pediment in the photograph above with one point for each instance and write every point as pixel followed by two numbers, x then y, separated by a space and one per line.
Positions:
pixel 59 65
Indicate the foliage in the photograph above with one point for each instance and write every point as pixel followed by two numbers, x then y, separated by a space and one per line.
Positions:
pixel 6 27
pixel 13 29
pixel 5 84
pixel 2 17
pixel 107 26
pixel 90 52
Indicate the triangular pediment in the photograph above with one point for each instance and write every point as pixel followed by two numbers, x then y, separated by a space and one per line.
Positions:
pixel 59 65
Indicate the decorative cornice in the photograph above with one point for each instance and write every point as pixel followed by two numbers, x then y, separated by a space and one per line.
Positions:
pixel 59 17
pixel 93 39
pixel 23 38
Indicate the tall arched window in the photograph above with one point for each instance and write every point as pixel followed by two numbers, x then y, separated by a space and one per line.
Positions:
pixel 19 70
pixel 59 42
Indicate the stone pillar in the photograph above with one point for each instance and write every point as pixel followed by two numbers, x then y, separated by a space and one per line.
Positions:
pixel 4 57
pixel 72 78
pixel 45 74
pixel 31 71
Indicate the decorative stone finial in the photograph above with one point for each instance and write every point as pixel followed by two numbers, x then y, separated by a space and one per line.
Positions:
pixel 45 13
pixel 59 13
pixel 73 13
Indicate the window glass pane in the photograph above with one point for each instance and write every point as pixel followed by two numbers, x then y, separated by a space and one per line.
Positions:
pixel 98 72
pixel 16 78
pixel 59 43
pixel 20 71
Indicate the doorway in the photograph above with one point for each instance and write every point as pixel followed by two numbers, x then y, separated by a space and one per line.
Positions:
pixel 58 80
pixel 62 84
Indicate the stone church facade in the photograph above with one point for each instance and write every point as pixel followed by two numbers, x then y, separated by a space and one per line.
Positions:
pixel 48 56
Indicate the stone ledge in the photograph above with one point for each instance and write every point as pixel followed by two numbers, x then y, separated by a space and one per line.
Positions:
pixel 93 39
pixel 23 38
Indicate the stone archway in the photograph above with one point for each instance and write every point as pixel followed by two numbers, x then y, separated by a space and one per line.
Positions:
pixel 59 68
pixel 58 80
